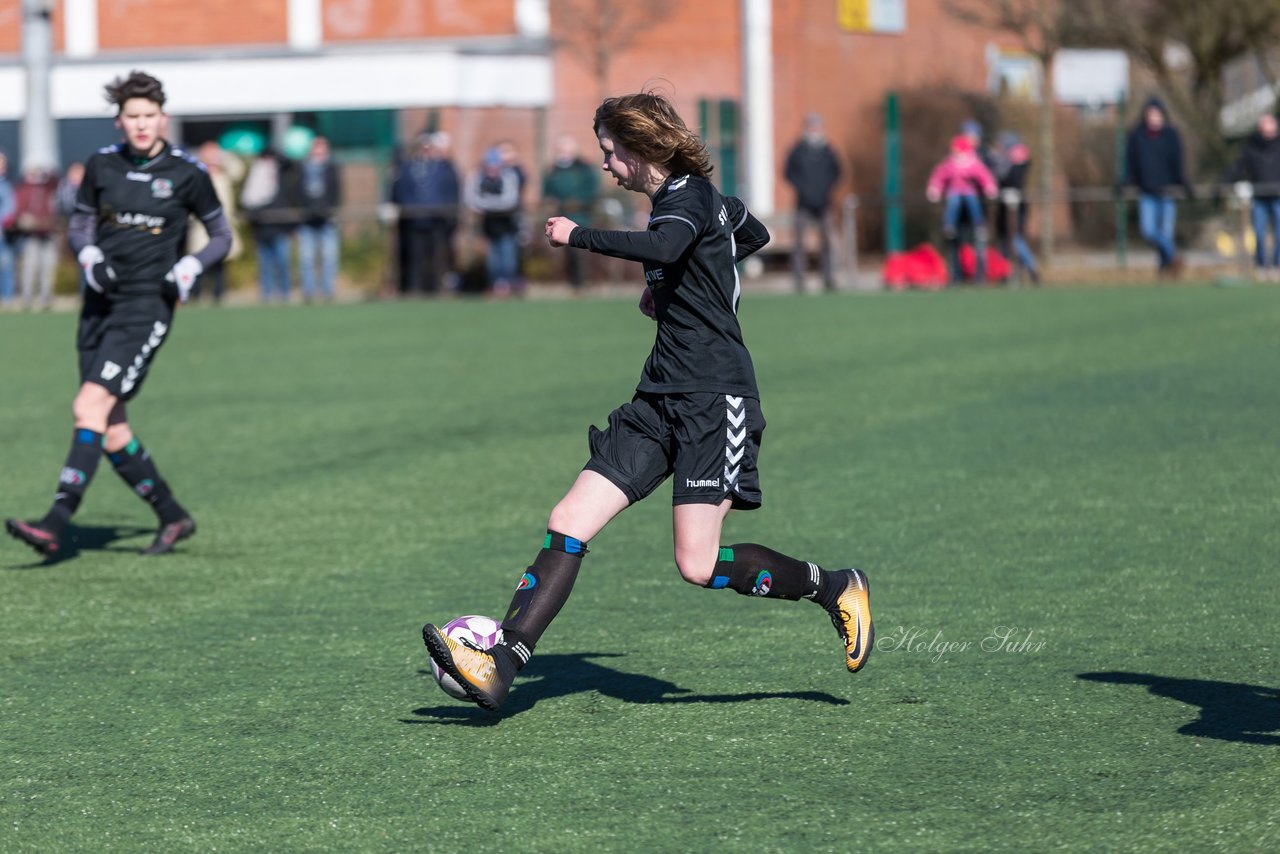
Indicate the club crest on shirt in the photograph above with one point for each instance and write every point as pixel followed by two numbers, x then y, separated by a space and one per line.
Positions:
pixel 162 188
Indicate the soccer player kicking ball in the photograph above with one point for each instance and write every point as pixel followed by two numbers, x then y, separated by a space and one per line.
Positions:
pixel 695 415
pixel 128 230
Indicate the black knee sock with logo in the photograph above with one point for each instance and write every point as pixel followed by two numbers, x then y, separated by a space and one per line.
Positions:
pixel 754 570
pixel 82 462
pixel 543 590
pixel 134 465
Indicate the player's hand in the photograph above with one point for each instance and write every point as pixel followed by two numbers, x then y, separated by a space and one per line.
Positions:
pixel 184 275
pixel 933 196
pixel 97 272
pixel 558 230
pixel 646 305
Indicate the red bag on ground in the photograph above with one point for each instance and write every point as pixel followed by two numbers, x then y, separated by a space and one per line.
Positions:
pixel 918 268
pixel 998 267
pixel 927 269
pixel 921 267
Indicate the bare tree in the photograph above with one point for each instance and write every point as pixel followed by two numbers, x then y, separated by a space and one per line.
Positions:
pixel 596 31
pixel 1211 35
pixel 1036 25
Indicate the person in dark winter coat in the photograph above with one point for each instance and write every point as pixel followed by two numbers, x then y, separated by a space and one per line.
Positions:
pixel 812 169
pixel 1259 166
pixel 427 192
pixel 1012 162
pixel 1153 164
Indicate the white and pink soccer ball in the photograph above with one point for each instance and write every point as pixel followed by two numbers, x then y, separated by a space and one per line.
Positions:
pixel 473 629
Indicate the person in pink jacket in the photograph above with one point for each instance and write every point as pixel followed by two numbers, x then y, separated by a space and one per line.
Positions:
pixel 957 182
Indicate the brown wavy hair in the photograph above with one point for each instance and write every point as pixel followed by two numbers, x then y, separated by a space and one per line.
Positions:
pixel 138 84
pixel 647 124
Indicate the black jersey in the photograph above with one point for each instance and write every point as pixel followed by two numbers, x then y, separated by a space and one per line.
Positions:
pixel 140 211
pixel 699 346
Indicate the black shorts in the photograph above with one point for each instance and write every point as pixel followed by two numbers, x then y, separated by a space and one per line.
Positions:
pixel 710 442
pixel 117 340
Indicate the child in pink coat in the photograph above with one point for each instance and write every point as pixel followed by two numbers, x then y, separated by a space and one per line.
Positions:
pixel 957 181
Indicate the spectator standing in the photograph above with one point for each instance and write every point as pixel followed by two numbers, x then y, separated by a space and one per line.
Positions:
pixel 36 223
pixel 570 188
pixel 511 160
pixel 1153 164
pixel 956 182
pixel 224 170
pixel 494 194
pixel 1259 167
pixel 320 194
pixel 8 213
pixel 813 169
pixel 269 208
pixel 1013 160
pixel 426 191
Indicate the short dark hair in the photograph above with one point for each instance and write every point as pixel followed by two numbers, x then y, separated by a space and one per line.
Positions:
pixel 138 84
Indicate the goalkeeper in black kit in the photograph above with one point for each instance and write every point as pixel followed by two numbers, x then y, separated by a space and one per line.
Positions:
pixel 128 231
pixel 695 416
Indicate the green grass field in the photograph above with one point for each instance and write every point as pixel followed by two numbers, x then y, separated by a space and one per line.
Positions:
pixel 1066 501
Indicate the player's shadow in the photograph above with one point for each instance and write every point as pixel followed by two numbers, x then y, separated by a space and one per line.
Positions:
pixel 549 676
pixel 1229 711
pixel 80 538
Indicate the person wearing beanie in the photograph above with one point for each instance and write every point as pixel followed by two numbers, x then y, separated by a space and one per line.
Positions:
pixel 1153 164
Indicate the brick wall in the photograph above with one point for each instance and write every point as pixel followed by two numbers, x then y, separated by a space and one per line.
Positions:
pixel 161 25
pixel 141 25
pixel 694 54
pixel 355 20
pixel 11 27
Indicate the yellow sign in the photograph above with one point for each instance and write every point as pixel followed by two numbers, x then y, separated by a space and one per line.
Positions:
pixel 872 16
pixel 854 15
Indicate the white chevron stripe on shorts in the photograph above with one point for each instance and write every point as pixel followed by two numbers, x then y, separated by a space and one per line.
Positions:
pixel 735 445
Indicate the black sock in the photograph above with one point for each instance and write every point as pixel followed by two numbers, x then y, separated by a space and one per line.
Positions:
pixel 754 570
pixel 543 589
pixel 82 462
pixel 136 468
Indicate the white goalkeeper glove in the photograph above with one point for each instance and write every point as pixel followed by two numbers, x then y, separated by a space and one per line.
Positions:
pixel 184 275
pixel 97 272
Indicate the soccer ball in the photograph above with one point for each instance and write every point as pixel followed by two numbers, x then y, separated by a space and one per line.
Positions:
pixel 482 632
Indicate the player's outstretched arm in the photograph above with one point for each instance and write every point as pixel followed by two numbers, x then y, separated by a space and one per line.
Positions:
pixel 663 243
